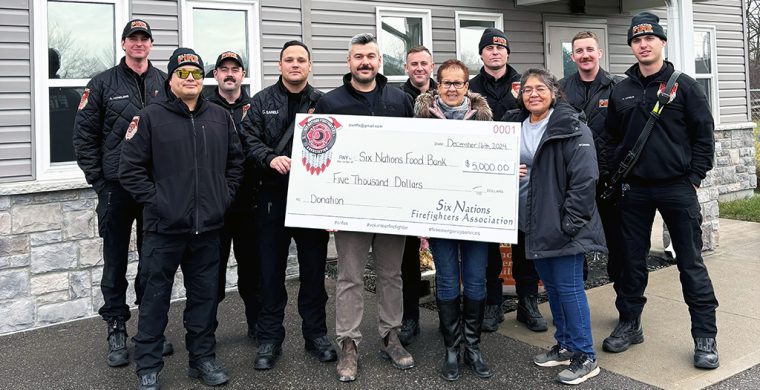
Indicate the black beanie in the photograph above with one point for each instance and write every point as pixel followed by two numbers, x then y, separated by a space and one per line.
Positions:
pixel 183 56
pixel 493 36
pixel 645 23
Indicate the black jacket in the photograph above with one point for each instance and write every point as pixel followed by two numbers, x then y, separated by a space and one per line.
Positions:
pixel 113 97
pixel 245 197
pixel 346 100
pixel 412 92
pixel 681 144
pixel 267 123
pixel 562 215
pixel 501 94
pixel 183 166
pixel 593 102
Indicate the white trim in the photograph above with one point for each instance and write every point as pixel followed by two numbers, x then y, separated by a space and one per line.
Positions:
pixel 713 76
pixel 44 170
pixel 427 30
pixel 254 34
pixel 681 35
pixel 496 18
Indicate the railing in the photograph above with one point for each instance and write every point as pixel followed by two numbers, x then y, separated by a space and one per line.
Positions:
pixel 754 98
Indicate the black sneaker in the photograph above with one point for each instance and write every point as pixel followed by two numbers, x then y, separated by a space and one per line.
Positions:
pixel 706 353
pixel 322 348
pixel 410 328
pixel 492 318
pixel 528 314
pixel 167 348
pixel 210 372
pixel 149 381
pixel 581 368
pixel 556 356
pixel 266 356
pixel 625 334
pixel 117 343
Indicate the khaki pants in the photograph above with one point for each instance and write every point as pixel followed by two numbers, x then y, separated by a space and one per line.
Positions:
pixel 353 248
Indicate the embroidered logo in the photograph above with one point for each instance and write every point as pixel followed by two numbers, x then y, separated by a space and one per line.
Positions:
pixel 132 129
pixel 245 110
pixel 139 24
pixel 644 28
pixel 500 41
pixel 603 103
pixel 85 96
pixel 318 137
pixel 515 89
pixel 187 58
pixel 228 54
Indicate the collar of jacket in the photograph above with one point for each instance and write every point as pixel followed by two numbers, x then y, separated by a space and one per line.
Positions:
pixel 603 78
pixel 433 85
pixel 511 73
pixel 217 98
pixel 308 90
pixel 124 67
pixel 426 107
pixel 564 121
pixel 176 105
pixel 662 75
pixel 379 79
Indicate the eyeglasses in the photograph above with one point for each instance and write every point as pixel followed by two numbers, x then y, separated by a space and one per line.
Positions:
pixel 541 90
pixel 455 84
pixel 183 73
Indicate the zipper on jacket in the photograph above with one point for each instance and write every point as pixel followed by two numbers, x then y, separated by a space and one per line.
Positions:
pixel 195 162
pixel 142 98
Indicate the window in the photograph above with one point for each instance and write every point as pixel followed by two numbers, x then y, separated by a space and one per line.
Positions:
pixel 705 66
pixel 77 39
pixel 470 27
pixel 398 30
pixel 213 27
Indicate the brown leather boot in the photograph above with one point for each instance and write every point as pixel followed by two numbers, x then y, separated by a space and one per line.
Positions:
pixel 393 350
pixel 348 363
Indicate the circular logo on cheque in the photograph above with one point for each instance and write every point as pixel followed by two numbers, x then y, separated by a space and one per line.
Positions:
pixel 318 137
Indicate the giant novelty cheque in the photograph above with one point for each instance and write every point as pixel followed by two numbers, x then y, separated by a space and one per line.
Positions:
pixel 416 177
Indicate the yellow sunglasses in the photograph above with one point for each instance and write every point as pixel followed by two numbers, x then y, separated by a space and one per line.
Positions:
pixel 183 73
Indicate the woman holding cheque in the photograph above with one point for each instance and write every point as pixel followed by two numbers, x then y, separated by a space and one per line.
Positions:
pixel 557 215
pixel 452 100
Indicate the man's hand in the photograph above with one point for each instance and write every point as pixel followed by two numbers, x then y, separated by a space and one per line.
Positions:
pixel 281 164
pixel 523 170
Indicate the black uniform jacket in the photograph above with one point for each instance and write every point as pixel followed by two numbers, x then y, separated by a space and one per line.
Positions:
pixel 183 166
pixel 413 91
pixel 501 94
pixel 112 98
pixel 593 102
pixel 562 215
pixel 267 123
pixel 681 144
pixel 348 101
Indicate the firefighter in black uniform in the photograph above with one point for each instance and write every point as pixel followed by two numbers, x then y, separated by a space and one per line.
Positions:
pixel 499 82
pixel 108 104
pixel 268 134
pixel 672 164
pixel 588 90
pixel 182 161
pixel 239 224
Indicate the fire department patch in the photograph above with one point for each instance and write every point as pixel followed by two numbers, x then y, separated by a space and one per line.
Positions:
pixel 245 110
pixel 672 93
pixel 515 89
pixel 318 137
pixel 132 129
pixel 85 96
pixel 604 103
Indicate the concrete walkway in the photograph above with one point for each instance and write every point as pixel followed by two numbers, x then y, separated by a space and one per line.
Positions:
pixel 665 358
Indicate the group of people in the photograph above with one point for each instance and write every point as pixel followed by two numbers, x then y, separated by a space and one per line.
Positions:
pixel 203 174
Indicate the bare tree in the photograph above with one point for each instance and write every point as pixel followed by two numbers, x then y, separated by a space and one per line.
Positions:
pixel 77 60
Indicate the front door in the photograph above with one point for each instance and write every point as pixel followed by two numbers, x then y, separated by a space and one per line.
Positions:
pixel 559 37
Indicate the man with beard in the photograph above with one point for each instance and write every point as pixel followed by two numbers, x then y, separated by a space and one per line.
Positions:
pixel 499 83
pixel 182 161
pixel 108 104
pixel 419 66
pixel 365 92
pixel 229 73
pixel 588 90
pixel 268 134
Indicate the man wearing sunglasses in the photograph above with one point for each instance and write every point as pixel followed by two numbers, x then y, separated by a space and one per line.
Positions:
pixel 182 161
pixel 108 104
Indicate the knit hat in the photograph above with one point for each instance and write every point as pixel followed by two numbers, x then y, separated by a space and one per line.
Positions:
pixel 184 56
pixel 493 36
pixel 229 55
pixel 136 25
pixel 646 23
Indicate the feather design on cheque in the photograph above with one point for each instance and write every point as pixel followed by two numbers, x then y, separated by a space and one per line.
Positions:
pixel 318 137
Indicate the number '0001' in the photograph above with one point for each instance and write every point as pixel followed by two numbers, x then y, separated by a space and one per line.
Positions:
pixel 503 129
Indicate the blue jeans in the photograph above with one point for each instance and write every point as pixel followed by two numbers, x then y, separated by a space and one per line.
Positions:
pixel 449 270
pixel 563 280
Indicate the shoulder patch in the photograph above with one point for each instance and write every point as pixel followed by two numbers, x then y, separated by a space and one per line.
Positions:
pixel 604 103
pixel 245 110
pixel 132 129
pixel 85 96
pixel 671 93
pixel 515 89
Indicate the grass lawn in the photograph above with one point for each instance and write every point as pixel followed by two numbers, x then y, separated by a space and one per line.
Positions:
pixel 744 210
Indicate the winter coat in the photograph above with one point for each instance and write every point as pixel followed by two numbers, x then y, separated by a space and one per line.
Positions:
pixel 426 106
pixel 501 94
pixel 346 100
pixel 592 103
pixel 183 166
pixel 108 104
pixel 561 210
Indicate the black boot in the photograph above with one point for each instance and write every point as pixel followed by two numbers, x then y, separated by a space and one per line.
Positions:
pixel 625 334
pixel 117 343
pixel 449 315
pixel 473 321
pixel 706 353
pixel 528 314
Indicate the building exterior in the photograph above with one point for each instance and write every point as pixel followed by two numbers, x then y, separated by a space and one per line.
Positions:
pixel 50 255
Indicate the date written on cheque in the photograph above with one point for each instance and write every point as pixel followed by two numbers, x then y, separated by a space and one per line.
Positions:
pixel 488 167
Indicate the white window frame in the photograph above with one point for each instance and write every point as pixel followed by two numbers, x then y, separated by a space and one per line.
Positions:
pixel 427 30
pixel 497 18
pixel 254 20
pixel 713 76
pixel 44 169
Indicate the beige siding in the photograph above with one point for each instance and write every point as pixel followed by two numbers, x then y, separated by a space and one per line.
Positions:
pixel 163 17
pixel 15 91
